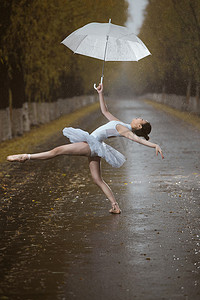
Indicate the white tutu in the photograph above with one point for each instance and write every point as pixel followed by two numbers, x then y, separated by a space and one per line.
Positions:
pixel 112 156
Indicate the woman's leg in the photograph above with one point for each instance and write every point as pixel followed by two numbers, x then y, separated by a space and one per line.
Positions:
pixel 95 169
pixel 81 149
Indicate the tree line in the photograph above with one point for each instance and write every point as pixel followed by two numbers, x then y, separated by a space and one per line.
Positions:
pixel 171 31
pixel 34 66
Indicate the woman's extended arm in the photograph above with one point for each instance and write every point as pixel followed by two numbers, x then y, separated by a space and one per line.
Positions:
pixel 103 106
pixel 133 137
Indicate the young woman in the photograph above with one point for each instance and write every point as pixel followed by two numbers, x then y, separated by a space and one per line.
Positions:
pixel 92 146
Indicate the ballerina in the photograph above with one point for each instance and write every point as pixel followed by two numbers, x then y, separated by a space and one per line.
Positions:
pixel 93 146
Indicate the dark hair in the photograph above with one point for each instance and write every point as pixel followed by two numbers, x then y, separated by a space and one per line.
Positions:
pixel 144 131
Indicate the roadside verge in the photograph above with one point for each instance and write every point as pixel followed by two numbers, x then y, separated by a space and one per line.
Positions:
pixel 185 116
pixel 38 135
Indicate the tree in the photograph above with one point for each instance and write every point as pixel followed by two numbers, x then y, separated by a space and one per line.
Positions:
pixel 37 67
pixel 5 12
pixel 171 32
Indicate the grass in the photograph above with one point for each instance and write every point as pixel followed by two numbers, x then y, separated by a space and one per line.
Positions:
pixel 185 116
pixel 25 143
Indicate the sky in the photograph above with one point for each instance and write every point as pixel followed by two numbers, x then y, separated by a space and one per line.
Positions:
pixel 136 8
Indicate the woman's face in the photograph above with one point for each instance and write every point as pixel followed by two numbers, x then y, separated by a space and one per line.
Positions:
pixel 137 123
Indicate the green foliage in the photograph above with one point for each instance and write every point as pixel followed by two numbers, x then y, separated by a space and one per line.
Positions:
pixel 171 31
pixel 30 36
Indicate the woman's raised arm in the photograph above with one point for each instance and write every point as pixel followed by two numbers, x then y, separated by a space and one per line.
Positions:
pixel 103 106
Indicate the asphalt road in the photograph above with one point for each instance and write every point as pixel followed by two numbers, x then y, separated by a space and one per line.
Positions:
pixel 58 240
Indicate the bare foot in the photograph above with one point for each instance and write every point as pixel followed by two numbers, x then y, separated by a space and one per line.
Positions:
pixel 115 209
pixel 18 157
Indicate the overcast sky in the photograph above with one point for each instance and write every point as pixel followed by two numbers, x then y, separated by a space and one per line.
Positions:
pixel 136 8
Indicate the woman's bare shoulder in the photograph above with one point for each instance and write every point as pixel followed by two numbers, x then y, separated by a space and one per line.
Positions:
pixel 122 129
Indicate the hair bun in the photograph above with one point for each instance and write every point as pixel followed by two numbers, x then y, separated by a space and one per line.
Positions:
pixel 144 131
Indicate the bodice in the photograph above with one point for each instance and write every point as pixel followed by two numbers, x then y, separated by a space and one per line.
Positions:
pixel 108 130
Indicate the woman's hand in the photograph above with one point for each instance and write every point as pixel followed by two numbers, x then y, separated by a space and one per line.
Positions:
pixel 100 88
pixel 158 150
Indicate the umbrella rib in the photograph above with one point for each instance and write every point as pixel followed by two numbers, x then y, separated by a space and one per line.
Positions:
pixel 80 43
pixel 125 35
pixel 107 37
pixel 131 49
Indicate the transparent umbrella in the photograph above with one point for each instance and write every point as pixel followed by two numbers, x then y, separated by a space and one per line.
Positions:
pixel 107 42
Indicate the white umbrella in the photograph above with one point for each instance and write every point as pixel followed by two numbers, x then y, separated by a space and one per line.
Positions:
pixel 107 42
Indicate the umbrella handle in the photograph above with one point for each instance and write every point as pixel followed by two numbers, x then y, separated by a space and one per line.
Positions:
pixel 95 86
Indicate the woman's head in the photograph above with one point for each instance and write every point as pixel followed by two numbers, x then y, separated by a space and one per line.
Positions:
pixel 141 127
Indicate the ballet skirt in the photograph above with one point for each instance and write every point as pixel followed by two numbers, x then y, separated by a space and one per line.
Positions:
pixel 96 143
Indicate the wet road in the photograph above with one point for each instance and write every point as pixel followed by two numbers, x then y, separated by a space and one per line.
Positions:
pixel 58 240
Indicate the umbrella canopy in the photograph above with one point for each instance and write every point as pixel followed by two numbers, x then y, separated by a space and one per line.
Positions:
pixel 107 42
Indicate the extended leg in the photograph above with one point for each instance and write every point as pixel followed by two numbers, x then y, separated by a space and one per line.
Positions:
pixel 95 169
pixel 81 149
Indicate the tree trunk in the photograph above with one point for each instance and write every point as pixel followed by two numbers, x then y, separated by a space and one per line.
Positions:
pixel 26 118
pixel 17 87
pixel 4 86
pixel 18 99
pixel 5 121
pixel 197 96
pixel 17 121
pixel 5 124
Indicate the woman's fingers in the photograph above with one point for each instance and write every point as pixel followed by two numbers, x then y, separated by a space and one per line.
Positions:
pixel 158 150
pixel 161 154
pixel 100 87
